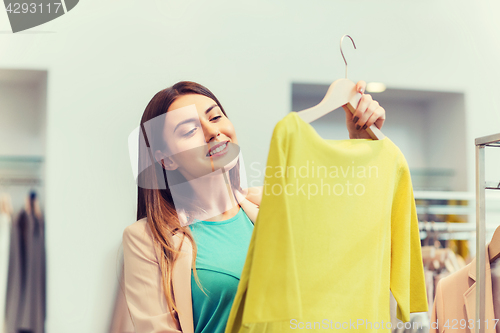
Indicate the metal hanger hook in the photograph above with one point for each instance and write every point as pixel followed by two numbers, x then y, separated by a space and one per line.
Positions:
pixel 341 40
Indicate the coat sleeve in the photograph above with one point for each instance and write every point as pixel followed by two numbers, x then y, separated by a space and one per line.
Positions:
pixel 407 271
pixel 143 286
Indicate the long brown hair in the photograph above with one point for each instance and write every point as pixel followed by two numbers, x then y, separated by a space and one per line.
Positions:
pixel 154 200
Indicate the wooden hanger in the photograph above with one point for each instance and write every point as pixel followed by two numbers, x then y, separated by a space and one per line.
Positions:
pixel 494 246
pixel 31 204
pixel 341 92
pixel 5 204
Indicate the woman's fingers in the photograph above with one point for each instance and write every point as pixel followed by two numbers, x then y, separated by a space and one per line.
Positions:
pixel 377 118
pixel 367 113
pixel 359 114
pixel 362 122
pixel 360 86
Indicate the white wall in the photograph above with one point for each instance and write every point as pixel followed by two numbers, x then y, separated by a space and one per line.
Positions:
pixel 22 124
pixel 107 58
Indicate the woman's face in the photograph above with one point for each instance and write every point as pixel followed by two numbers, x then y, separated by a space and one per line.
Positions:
pixel 199 137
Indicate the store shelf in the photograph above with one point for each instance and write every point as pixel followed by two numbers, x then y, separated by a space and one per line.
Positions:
pixel 453 226
pixel 444 195
pixel 446 210
pixel 21 170
pixel 452 195
pixel 20 159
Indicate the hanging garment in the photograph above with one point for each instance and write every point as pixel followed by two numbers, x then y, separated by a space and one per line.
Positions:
pixel 429 285
pixel 221 251
pixel 5 225
pixel 26 294
pixel 454 308
pixel 337 231
pixel 495 289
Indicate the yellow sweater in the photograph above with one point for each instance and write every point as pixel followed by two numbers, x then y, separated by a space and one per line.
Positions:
pixel 337 228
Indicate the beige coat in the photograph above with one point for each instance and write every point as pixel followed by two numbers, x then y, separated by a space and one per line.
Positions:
pixel 142 280
pixel 455 301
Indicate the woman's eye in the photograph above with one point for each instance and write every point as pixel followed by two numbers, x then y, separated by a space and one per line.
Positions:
pixel 217 117
pixel 190 132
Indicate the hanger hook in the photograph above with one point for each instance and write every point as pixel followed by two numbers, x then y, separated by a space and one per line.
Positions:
pixel 341 40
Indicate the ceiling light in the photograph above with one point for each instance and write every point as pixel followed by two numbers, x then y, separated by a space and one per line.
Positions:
pixel 375 87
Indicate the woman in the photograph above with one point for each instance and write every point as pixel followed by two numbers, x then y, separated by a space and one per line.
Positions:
pixel 192 212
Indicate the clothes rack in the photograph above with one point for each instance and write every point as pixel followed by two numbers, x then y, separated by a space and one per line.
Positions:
pixel 481 186
pixel 15 181
pixel 493 185
pixel 25 269
pixel 446 226
pixel 450 226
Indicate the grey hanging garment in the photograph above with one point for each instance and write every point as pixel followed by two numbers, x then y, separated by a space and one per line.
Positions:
pixel 26 293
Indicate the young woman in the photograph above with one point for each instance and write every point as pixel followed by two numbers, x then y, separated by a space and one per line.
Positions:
pixel 184 255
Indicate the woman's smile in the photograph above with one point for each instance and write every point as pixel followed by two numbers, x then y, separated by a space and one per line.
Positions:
pixel 218 149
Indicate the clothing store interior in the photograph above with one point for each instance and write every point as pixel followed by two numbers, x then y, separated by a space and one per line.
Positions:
pixel 73 90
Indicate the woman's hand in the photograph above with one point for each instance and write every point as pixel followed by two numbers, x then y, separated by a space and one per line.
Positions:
pixel 252 194
pixel 367 113
pixel 249 199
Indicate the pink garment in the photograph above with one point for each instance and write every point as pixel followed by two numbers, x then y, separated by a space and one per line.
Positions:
pixel 455 302
pixel 495 286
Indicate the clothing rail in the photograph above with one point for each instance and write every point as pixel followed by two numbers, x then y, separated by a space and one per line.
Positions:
pixel 449 230
pixel 450 226
pixel 17 181
pixel 21 159
pixel 481 186
pixel 493 185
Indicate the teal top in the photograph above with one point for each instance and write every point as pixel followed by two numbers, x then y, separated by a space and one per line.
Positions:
pixel 222 250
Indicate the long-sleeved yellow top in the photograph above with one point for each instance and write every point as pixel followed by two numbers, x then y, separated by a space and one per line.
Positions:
pixel 337 229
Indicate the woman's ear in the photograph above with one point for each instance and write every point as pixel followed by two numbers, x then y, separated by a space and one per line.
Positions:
pixel 166 162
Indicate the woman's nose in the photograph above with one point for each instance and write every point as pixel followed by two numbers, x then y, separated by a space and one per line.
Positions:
pixel 211 132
